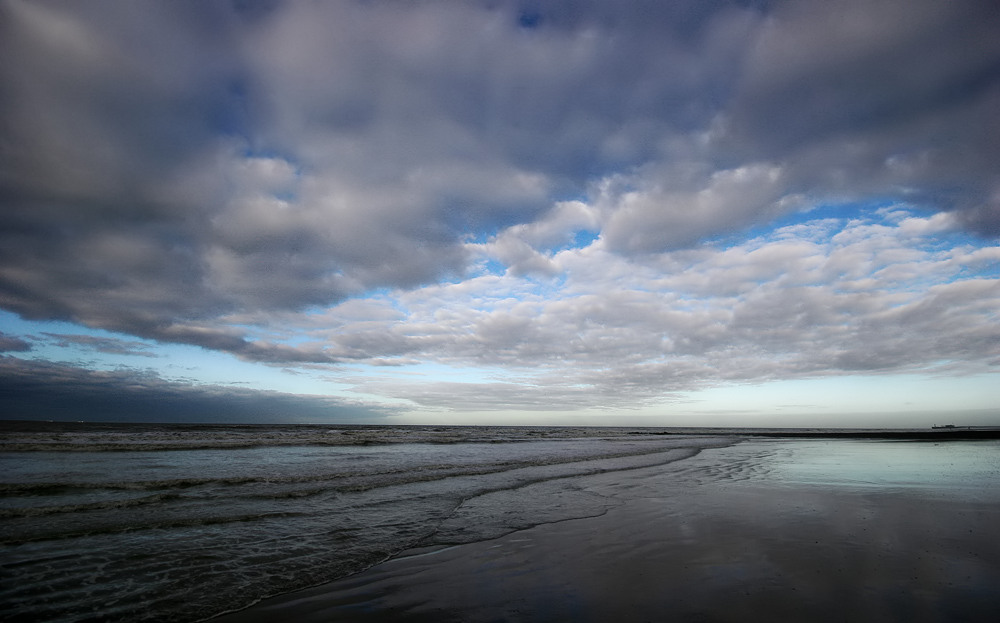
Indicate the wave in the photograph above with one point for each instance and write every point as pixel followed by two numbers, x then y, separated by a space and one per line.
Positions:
pixel 205 533
pixel 166 524
pixel 144 446
pixel 340 480
pixel 37 511
pixel 84 437
pixel 265 495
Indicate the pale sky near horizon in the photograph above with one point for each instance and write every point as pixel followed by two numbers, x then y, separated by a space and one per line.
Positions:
pixel 690 213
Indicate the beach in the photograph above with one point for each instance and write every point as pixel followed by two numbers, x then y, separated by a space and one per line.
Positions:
pixel 129 522
pixel 371 523
pixel 863 532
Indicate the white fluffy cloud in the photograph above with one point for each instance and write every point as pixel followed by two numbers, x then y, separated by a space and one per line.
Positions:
pixel 822 297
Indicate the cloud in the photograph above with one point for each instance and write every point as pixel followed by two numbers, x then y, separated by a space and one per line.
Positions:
pixel 167 168
pixel 11 344
pixel 37 390
pixel 896 98
pixel 664 215
pixel 102 344
pixel 815 299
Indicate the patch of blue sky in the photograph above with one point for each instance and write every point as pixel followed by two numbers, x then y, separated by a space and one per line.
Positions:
pixel 840 212
pixel 957 238
pixel 843 210
pixel 989 271
pixel 584 238
pixel 577 239
pixel 488 266
pixel 12 324
pixel 45 343
pixel 180 361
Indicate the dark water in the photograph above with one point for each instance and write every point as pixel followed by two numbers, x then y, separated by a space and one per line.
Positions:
pixel 764 530
pixel 179 523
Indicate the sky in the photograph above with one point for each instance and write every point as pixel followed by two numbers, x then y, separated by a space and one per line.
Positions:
pixel 677 213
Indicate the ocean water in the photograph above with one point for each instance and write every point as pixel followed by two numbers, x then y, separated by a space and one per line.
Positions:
pixel 180 523
pixel 820 530
pixel 961 469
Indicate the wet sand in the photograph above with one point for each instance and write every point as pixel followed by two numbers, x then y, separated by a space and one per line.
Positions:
pixel 687 544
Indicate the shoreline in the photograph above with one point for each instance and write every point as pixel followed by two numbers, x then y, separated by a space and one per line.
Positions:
pixel 682 547
pixel 943 434
pixel 248 435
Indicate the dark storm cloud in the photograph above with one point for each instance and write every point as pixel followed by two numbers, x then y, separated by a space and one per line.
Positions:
pixel 105 109
pixel 35 390
pixel 894 97
pixel 164 166
pixel 818 70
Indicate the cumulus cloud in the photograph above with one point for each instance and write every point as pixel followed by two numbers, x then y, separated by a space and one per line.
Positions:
pixel 665 215
pixel 824 297
pixel 194 172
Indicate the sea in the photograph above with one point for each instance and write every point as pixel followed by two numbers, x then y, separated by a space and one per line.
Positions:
pixel 161 522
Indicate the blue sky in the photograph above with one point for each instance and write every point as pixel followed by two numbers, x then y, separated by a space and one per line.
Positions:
pixel 682 213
